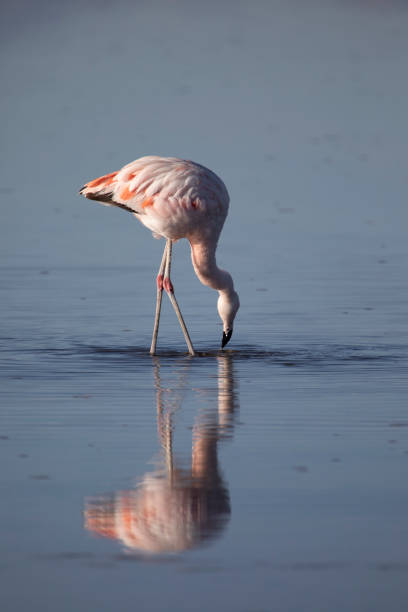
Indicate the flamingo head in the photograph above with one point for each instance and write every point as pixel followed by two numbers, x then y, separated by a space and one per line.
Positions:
pixel 228 304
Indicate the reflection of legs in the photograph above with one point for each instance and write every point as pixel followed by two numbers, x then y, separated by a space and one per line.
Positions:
pixel 168 401
pixel 164 424
pixel 167 284
pixel 158 301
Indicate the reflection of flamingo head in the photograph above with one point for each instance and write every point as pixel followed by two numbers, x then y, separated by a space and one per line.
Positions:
pixel 161 515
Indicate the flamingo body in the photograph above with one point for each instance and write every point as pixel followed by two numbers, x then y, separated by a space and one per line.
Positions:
pixel 175 199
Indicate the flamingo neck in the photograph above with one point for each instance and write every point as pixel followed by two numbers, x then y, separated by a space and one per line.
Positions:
pixel 205 266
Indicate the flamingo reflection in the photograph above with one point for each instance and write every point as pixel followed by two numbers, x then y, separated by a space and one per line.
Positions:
pixel 175 508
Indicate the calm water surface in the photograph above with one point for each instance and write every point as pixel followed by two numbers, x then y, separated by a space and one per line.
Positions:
pixel 234 480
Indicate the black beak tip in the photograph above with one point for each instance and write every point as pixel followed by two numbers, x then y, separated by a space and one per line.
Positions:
pixel 226 337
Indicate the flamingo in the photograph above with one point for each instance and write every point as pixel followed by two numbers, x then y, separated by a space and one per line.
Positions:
pixel 175 198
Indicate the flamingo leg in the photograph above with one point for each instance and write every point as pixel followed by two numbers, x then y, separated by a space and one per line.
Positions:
pixel 168 285
pixel 159 282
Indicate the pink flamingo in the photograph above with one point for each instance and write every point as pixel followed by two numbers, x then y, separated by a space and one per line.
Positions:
pixel 175 199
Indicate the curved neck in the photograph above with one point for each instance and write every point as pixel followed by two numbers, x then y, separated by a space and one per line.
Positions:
pixel 205 266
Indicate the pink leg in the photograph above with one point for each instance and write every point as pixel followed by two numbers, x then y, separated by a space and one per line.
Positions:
pixel 168 286
pixel 159 282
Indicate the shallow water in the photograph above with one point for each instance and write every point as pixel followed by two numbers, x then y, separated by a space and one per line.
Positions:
pixel 235 479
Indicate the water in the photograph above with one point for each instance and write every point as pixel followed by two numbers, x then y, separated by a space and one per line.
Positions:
pixel 233 479
pixel 271 475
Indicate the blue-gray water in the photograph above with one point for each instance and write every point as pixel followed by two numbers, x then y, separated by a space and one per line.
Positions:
pixel 270 476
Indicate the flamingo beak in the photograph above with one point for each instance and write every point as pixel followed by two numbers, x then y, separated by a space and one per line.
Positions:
pixel 226 337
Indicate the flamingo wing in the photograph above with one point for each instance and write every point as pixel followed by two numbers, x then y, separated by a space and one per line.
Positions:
pixel 109 190
pixel 170 183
